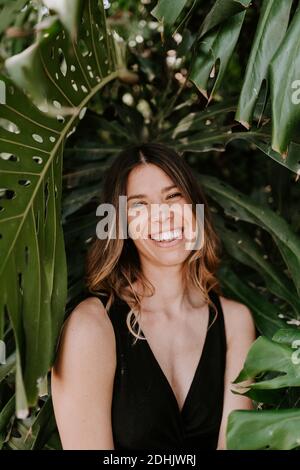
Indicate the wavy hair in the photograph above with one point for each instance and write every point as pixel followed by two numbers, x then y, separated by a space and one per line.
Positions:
pixel 113 265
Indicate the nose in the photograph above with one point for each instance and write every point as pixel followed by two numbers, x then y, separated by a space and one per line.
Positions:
pixel 160 217
pixel 160 212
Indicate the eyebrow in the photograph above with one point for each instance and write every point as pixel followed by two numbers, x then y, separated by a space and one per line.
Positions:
pixel 138 196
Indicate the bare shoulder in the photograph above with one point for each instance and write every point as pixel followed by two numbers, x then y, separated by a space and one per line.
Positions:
pixel 238 318
pixel 86 333
pixel 82 378
pixel 88 314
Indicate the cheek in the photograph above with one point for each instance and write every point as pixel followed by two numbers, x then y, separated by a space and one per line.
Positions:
pixel 189 223
pixel 137 221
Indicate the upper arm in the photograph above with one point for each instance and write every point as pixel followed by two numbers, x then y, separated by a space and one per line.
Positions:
pixel 240 333
pixel 82 378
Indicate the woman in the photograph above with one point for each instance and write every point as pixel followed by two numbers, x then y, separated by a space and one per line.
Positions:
pixel 150 365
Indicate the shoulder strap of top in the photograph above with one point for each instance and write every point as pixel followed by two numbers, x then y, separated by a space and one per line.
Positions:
pixel 119 308
pixel 103 297
pixel 214 296
pixel 116 315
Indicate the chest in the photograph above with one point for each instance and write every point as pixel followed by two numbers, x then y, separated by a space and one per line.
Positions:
pixel 146 411
pixel 176 351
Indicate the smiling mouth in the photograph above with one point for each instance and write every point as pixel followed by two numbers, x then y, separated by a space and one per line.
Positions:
pixel 167 236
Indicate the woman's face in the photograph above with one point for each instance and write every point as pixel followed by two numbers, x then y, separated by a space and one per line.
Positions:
pixel 160 219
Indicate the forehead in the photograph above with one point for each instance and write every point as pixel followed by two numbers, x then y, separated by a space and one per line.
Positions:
pixel 147 178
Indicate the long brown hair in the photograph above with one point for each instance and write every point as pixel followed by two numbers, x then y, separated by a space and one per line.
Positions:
pixel 112 266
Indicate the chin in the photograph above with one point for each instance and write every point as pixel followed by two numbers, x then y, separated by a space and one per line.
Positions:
pixel 169 257
pixel 164 255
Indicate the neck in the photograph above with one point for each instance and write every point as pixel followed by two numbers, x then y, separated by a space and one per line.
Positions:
pixel 169 296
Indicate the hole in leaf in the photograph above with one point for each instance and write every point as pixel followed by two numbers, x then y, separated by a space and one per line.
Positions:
pixel 60 118
pixel 52 138
pixel 9 156
pixel 74 85
pixel 57 104
pixel 82 113
pixel 71 132
pixel 24 182
pixel 38 138
pixel 1 210
pixel 62 62
pixel 83 48
pixel 37 160
pixel 6 193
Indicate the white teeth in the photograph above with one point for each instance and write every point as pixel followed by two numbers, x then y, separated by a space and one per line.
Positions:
pixel 167 236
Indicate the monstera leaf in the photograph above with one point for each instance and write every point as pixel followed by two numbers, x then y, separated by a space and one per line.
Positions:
pixel 205 130
pixel 266 355
pixel 59 73
pixel 38 431
pixel 217 45
pixel 267 429
pixel 272 429
pixel 273 61
pixel 266 41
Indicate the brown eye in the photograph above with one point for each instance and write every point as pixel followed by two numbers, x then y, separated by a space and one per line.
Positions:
pixel 171 196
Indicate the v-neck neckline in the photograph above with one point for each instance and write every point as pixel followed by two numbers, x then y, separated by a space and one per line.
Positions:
pixel 163 375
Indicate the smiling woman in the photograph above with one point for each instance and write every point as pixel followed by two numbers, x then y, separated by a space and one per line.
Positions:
pixel 151 365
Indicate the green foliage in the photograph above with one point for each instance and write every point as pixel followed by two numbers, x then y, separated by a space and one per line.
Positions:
pixel 33 265
pixel 268 429
pixel 272 429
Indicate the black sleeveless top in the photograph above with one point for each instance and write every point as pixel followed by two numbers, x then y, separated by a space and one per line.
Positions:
pixel 145 413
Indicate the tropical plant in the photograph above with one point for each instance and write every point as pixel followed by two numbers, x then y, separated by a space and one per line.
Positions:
pixel 116 76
